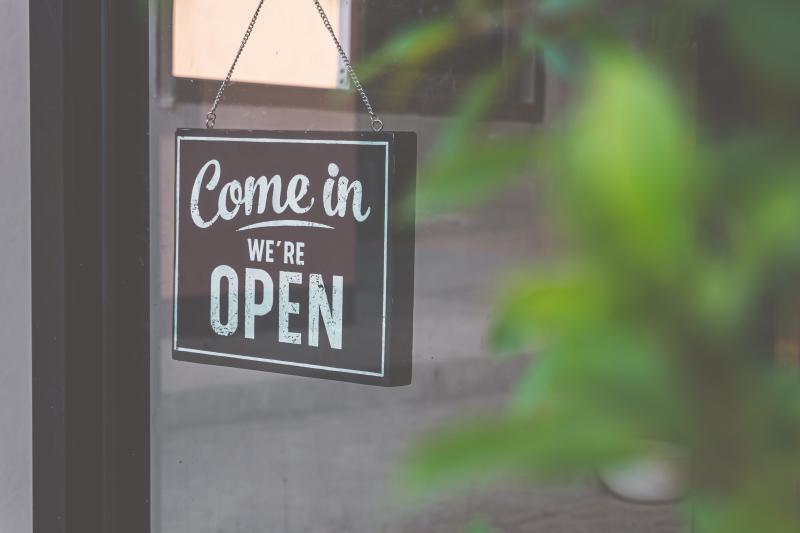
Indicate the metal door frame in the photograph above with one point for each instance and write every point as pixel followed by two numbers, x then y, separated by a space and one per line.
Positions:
pixel 90 266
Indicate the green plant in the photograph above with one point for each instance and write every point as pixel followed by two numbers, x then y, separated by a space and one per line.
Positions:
pixel 681 245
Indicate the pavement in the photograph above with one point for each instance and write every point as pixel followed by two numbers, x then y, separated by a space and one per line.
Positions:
pixel 331 471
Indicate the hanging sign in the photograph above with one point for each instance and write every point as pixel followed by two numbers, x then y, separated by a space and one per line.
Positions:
pixel 294 252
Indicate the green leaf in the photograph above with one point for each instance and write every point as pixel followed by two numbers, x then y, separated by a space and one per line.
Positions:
pixel 479 526
pixel 466 166
pixel 479 170
pixel 753 206
pixel 478 100
pixel 539 306
pixel 544 445
pixel 412 48
pixel 630 172
pixel 620 373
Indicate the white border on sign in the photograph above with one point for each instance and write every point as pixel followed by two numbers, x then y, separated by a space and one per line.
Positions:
pixel 385 251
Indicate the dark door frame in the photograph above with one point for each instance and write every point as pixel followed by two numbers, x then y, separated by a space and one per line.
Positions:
pixel 90 266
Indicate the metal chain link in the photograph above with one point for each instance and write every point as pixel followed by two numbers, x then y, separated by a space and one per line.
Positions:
pixel 211 117
pixel 375 122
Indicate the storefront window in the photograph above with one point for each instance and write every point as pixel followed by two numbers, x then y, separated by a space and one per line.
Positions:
pixel 240 451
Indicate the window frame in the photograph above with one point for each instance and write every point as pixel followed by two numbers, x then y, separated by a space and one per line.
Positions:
pixel 89 64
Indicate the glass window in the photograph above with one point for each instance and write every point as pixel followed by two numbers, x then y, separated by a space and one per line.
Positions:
pixel 241 451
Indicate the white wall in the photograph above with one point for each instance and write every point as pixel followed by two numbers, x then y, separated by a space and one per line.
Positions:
pixel 15 306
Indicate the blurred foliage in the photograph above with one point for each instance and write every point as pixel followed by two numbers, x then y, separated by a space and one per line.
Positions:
pixel 478 526
pixel 655 324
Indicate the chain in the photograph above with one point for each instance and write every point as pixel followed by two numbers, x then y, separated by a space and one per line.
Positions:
pixel 375 122
pixel 211 117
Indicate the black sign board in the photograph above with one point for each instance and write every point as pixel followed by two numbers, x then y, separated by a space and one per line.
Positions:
pixel 294 252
